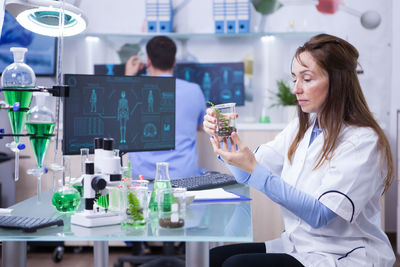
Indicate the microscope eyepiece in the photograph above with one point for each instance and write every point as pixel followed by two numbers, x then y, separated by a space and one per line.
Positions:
pixel 98 143
pixel 108 144
pixel 89 167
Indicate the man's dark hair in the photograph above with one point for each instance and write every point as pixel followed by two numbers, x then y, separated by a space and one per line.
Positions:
pixel 161 51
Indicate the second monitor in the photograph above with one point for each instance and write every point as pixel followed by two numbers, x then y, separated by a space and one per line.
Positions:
pixel 220 82
pixel 138 112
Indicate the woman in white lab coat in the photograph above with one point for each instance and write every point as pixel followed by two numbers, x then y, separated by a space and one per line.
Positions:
pixel 327 169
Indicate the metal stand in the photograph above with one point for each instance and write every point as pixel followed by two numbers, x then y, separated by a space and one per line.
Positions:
pixel 197 254
pixel 14 253
pixel 100 253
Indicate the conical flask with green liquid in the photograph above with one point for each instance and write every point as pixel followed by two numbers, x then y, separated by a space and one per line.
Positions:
pixel 162 181
pixel 15 80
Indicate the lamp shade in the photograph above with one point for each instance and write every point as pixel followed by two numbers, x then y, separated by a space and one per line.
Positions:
pixel 42 16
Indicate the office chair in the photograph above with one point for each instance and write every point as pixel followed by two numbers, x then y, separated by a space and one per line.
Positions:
pixel 168 258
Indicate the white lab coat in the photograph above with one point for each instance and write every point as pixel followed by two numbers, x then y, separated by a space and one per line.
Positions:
pixel 350 185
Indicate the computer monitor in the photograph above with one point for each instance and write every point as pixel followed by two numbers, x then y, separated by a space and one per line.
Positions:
pixel 138 112
pixel 220 82
pixel 114 69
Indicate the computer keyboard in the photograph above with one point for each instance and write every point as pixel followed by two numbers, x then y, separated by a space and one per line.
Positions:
pixel 208 180
pixel 28 224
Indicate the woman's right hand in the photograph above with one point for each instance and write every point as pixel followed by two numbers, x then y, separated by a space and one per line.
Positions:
pixel 210 122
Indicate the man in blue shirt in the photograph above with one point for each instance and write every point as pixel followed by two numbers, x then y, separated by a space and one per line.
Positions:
pixel 190 108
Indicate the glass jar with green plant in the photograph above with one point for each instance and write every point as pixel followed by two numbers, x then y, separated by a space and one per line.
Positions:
pixel 226 118
pixel 136 210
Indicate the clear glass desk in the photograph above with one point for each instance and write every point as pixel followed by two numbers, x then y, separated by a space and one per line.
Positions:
pixel 205 222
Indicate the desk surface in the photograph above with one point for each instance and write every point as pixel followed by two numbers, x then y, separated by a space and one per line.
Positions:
pixel 211 222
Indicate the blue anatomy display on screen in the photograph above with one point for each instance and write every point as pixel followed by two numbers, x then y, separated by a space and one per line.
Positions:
pixel 138 112
pixel 220 82
pixel 41 55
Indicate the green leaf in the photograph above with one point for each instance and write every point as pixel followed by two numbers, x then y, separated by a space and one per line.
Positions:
pixel 134 208
pixel 284 95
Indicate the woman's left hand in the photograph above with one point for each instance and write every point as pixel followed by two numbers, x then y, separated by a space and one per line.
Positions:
pixel 239 156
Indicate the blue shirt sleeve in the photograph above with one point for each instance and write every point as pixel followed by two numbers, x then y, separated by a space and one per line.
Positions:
pixel 301 204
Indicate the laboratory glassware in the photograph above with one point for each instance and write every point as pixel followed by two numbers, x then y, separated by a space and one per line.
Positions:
pixel 40 125
pixel 171 207
pixel 135 205
pixel 66 198
pixel 162 181
pixel 77 183
pixel 16 80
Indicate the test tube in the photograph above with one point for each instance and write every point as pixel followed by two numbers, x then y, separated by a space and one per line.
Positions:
pixel 84 158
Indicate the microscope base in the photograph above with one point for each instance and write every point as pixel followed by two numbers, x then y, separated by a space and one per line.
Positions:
pixel 89 219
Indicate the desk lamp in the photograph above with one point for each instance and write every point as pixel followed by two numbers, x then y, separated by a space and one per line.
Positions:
pixel 42 16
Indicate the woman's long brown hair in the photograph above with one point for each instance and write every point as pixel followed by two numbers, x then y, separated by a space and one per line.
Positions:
pixel 345 103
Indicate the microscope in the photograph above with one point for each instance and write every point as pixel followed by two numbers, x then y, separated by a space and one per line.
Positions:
pixel 105 170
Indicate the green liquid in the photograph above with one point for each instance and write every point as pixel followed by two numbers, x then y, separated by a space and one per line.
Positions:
pixel 23 97
pixel 133 223
pixel 79 187
pixel 40 141
pixel 66 202
pixel 17 118
pixel 157 185
pixel 17 121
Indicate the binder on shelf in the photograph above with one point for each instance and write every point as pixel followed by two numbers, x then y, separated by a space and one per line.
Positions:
pixel 219 15
pixel 151 15
pixel 231 16
pixel 230 12
pixel 165 16
pixel 159 15
pixel 243 16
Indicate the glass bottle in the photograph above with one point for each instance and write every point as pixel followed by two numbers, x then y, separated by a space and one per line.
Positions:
pixel 66 198
pixel 15 79
pixel 162 181
pixel 77 183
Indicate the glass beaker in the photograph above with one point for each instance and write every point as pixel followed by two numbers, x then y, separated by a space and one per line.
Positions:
pixel 136 212
pixel 226 119
pixel 15 79
pixel 66 198
pixel 171 207
pixel 40 125
pixel 162 181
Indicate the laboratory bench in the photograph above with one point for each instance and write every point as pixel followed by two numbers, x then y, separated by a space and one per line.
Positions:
pixel 264 211
pixel 204 223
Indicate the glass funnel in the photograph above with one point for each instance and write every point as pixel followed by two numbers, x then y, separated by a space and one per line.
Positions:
pixel 15 79
pixel 40 125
